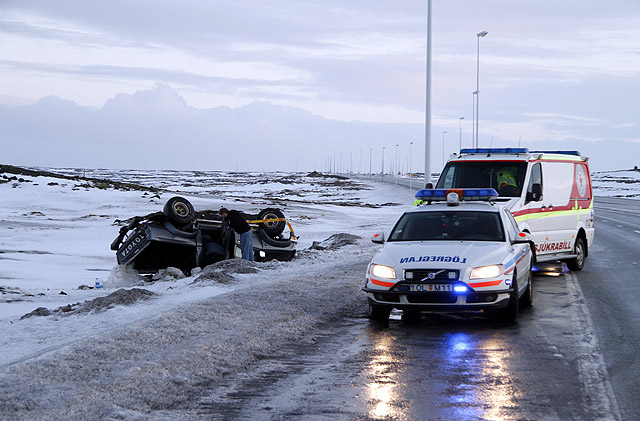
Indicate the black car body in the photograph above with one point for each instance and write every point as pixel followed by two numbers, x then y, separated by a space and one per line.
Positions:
pixel 183 238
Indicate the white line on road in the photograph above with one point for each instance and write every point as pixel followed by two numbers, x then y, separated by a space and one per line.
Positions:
pixel 636 231
pixel 619 225
pixel 599 396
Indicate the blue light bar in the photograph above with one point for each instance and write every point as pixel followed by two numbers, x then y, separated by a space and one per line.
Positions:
pixel 469 194
pixel 576 153
pixel 463 194
pixel 432 194
pixel 494 150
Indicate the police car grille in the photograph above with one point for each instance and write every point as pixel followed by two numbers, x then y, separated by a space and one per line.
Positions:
pixel 439 275
pixel 438 298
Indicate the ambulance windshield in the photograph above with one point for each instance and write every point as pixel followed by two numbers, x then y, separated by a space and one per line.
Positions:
pixel 507 177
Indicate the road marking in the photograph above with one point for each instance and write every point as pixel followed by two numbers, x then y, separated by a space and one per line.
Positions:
pixel 619 225
pixel 636 231
pixel 598 393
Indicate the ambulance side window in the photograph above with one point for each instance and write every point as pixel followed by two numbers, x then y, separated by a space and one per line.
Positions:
pixel 535 193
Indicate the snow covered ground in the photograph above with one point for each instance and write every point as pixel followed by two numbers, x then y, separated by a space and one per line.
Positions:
pixel 150 358
pixel 620 183
pixel 54 244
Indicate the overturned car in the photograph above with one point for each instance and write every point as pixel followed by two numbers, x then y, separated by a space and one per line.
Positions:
pixel 183 238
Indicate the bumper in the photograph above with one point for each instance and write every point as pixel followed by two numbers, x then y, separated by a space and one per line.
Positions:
pixel 440 301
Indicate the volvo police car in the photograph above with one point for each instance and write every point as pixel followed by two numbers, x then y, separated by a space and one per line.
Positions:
pixel 458 251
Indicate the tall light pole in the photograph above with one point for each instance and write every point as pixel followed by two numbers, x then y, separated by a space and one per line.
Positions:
pixel 443 133
pixel 460 119
pixel 395 164
pixel 473 122
pixel 480 35
pixel 427 125
pixel 360 163
pixel 382 171
pixel 410 177
pixel 370 152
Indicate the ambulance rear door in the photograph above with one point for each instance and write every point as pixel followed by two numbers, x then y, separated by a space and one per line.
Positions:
pixel 531 216
pixel 561 218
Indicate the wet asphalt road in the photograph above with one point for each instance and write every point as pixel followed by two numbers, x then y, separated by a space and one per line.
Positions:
pixel 572 356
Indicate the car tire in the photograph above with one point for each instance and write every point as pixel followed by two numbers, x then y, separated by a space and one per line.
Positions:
pixel 580 250
pixel 179 210
pixel 527 299
pixel 510 313
pixel 378 313
pixel 275 228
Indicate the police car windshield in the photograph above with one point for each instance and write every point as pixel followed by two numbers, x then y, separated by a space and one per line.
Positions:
pixel 507 177
pixel 448 225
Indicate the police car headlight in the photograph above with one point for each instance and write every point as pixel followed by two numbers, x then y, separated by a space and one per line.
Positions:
pixel 380 271
pixel 485 272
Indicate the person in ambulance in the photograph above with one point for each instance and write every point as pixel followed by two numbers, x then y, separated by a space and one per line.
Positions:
pixel 459 251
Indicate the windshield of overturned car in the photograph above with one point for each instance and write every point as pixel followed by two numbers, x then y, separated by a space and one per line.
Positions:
pixel 507 177
pixel 448 225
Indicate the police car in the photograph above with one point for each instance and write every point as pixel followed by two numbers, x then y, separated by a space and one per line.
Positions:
pixel 458 251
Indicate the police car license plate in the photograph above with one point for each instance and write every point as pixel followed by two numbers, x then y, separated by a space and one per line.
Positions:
pixel 430 287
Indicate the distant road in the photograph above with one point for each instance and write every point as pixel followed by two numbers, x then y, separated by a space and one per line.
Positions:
pixel 403 181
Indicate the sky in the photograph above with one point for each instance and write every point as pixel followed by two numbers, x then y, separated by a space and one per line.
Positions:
pixel 86 83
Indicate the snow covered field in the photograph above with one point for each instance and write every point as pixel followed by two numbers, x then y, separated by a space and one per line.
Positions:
pixel 132 360
pixel 176 336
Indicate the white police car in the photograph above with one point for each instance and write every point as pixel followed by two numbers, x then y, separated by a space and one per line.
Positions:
pixel 457 252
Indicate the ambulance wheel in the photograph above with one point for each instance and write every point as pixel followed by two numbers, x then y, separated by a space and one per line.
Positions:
pixel 527 298
pixel 378 313
pixel 510 313
pixel 580 250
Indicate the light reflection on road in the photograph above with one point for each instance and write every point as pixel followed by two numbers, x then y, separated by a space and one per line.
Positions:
pixel 460 369
pixel 382 373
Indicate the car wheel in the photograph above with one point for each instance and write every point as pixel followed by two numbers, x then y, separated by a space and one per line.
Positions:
pixel 378 313
pixel 527 298
pixel 510 313
pixel 273 228
pixel 580 250
pixel 179 210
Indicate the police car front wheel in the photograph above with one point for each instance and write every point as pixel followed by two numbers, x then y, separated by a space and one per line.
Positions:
pixel 377 312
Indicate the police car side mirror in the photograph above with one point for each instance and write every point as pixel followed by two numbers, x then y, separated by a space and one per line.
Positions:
pixel 522 238
pixel 378 238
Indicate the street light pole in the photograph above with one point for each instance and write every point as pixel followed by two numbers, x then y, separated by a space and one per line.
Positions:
pixel 395 165
pixel 360 163
pixel 382 172
pixel 461 118
pixel 479 35
pixel 427 125
pixel 410 177
pixel 370 152
pixel 443 133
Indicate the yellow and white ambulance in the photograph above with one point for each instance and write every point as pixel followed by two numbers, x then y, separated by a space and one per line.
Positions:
pixel 548 192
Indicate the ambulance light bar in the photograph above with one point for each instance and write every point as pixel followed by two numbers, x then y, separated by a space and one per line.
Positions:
pixel 576 153
pixel 463 194
pixel 494 150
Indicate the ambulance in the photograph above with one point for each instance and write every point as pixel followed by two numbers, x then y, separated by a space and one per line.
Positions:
pixel 548 192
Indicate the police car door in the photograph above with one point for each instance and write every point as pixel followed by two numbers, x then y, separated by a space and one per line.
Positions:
pixel 532 217
pixel 523 265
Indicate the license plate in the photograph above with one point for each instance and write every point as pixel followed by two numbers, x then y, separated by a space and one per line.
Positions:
pixel 430 287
